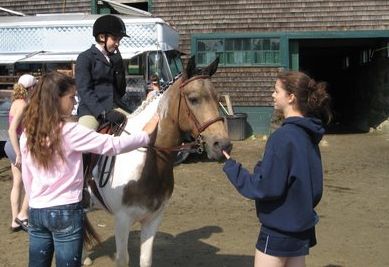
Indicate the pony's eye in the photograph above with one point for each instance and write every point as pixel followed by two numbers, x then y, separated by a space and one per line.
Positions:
pixel 193 100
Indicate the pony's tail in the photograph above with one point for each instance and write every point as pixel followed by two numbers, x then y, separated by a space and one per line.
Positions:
pixel 91 238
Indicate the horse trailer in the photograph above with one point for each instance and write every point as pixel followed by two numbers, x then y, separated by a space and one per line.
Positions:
pixel 38 44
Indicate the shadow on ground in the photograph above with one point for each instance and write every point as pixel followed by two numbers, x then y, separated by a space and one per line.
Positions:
pixel 185 249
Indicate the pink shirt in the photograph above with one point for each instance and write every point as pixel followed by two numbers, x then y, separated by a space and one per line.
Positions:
pixel 63 183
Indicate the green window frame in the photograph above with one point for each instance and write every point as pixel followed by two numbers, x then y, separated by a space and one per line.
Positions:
pixel 239 51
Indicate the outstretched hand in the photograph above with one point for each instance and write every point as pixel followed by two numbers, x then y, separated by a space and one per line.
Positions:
pixel 151 124
pixel 226 154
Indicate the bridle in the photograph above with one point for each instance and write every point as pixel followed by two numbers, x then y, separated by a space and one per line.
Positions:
pixel 199 127
pixel 198 144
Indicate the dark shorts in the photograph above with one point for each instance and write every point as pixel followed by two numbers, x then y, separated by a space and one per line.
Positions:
pixel 9 151
pixel 285 244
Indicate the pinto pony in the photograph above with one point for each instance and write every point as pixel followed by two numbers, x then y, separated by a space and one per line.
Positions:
pixel 141 182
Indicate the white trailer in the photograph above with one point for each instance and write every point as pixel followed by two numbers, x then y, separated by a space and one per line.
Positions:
pixel 38 44
pixel 61 37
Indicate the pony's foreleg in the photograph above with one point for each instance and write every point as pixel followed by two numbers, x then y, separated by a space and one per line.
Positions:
pixel 122 229
pixel 148 231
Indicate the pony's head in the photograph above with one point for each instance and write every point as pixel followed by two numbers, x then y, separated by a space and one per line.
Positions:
pixel 198 109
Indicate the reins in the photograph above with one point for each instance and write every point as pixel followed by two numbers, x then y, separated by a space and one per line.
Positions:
pixel 197 146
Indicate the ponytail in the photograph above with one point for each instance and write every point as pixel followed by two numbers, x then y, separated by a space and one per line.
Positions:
pixel 318 100
pixel 312 97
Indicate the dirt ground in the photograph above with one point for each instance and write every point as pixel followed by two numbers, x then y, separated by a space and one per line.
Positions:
pixel 209 224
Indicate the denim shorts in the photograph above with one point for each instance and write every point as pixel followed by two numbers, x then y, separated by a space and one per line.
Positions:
pixel 9 151
pixel 56 230
pixel 285 244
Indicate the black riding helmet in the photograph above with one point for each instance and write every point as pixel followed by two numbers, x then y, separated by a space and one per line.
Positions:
pixel 109 24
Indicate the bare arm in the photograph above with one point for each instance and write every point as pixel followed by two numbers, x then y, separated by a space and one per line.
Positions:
pixel 12 130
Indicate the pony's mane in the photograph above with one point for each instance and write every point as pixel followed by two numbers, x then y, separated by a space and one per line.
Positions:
pixel 144 105
pixel 137 119
pixel 158 96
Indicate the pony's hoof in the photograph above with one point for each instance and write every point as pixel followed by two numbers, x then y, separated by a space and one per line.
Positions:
pixel 88 261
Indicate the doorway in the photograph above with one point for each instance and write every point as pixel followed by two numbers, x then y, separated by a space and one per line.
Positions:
pixel 347 66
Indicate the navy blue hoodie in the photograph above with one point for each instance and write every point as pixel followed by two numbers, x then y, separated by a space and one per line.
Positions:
pixel 288 183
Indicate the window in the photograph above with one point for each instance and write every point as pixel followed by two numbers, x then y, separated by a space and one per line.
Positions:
pixel 174 61
pixel 365 56
pixel 345 62
pixel 239 51
pixel 135 66
pixel 158 65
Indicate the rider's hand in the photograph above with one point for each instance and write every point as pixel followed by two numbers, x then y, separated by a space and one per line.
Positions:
pixel 151 124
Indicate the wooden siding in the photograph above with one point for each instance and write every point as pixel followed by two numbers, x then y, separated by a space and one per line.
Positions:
pixel 46 7
pixel 250 86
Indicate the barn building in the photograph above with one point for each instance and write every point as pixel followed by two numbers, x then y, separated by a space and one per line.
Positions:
pixel 345 43
pixel 342 42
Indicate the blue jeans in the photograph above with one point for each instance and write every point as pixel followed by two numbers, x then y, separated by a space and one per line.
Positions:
pixel 59 229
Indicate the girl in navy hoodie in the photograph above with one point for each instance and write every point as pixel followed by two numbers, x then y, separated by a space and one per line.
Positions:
pixel 288 183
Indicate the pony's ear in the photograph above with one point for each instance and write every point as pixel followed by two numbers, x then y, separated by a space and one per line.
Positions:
pixel 190 70
pixel 211 68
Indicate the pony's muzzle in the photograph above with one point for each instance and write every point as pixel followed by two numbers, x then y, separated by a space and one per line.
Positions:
pixel 219 145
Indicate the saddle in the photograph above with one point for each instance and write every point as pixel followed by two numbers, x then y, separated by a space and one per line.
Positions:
pixel 97 168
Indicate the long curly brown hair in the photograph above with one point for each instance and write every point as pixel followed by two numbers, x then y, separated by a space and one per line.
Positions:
pixel 43 119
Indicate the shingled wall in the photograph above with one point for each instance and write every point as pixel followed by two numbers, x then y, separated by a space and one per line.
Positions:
pixel 44 7
pixel 251 86
pixel 248 86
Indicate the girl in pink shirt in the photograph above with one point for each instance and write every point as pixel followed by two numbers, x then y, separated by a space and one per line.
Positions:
pixel 52 147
